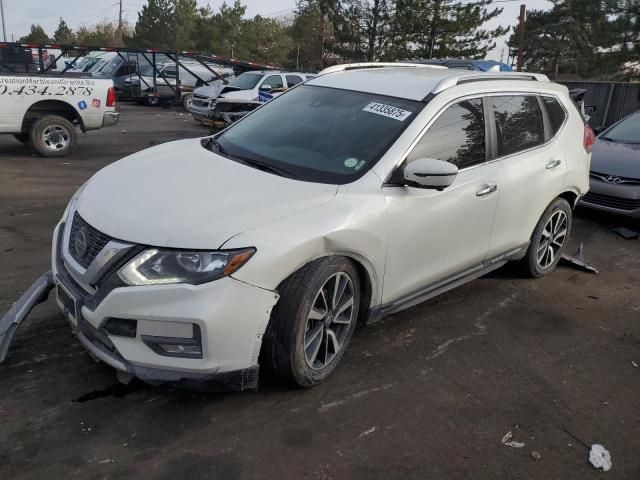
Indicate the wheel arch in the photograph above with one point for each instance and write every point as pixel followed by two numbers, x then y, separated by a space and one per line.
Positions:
pixel 51 107
pixel 570 196
pixel 370 295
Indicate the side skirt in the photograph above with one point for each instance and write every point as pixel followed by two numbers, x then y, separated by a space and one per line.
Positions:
pixel 412 299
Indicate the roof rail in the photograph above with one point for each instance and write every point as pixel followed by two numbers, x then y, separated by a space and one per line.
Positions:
pixel 363 65
pixel 481 77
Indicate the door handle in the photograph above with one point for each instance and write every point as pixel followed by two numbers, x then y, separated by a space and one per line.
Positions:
pixel 487 189
pixel 553 164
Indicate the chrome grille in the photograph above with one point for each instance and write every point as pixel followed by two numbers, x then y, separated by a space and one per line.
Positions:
pixel 95 241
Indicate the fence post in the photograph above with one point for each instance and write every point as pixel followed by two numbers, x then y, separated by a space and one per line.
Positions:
pixel 606 108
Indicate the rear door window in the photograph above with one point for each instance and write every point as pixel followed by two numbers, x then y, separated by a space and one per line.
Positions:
pixel 457 136
pixel 518 123
pixel 293 80
pixel 555 112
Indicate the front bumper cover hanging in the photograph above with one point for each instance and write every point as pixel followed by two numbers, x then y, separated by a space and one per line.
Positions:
pixel 36 294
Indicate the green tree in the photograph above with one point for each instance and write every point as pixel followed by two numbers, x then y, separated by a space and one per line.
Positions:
pixel 103 34
pixel 186 17
pixel 265 40
pixel 156 25
pixel 313 31
pixel 579 37
pixel 63 33
pixel 36 35
pixel 444 28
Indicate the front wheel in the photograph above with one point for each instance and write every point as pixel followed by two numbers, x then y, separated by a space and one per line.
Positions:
pixel 549 239
pixel 186 100
pixel 313 322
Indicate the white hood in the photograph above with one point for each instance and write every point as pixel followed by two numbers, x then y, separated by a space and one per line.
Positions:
pixel 182 195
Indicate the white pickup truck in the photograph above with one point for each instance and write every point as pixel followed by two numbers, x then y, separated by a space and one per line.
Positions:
pixel 44 111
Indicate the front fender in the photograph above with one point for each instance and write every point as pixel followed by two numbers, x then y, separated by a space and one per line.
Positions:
pixel 352 225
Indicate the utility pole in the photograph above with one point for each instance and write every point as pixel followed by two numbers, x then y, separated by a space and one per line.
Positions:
pixel 120 17
pixel 4 28
pixel 434 27
pixel 523 12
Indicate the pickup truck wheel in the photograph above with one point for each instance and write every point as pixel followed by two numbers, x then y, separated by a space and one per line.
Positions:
pixel 313 322
pixel 53 136
pixel 548 239
pixel 151 101
pixel 22 137
pixel 186 101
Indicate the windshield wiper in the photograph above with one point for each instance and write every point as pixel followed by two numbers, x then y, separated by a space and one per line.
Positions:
pixel 212 141
pixel 265 167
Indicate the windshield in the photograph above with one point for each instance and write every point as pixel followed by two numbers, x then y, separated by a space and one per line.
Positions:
pixel 319 134
pixel 107 66
pixel 246 81
pixel 627 131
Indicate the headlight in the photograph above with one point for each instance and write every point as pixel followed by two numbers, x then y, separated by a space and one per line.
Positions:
pixel 157 266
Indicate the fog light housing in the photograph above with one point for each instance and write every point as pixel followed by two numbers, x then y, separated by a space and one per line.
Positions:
pixel 121 327
pixel 179 347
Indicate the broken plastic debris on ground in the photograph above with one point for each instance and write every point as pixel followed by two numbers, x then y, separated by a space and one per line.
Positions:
pixel 579 261
pixel 600 457
pixel 507 441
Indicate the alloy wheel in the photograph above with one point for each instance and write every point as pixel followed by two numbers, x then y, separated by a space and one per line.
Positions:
pixel 56 137
pixel 552 239
pixel 329 321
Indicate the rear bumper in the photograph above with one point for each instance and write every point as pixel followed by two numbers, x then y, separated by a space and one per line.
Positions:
pixel 621 199
pixel 110 118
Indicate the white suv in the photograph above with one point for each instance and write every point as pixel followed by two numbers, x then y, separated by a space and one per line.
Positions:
pixel 359 193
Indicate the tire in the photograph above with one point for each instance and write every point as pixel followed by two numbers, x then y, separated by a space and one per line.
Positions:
pixel 151 101
pixel 292 325
pixel 186 101
pixel 22 138
pixel 53 136
pixel 549 239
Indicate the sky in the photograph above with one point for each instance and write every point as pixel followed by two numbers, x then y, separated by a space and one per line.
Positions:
pixel 20 14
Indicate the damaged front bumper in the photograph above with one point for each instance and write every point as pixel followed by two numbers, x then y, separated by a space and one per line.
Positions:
pixel 9 323
pixel 145 331
pixel 227 317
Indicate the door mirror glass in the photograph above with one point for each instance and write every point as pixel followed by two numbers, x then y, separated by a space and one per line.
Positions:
pixel 430 173
pixel 265 88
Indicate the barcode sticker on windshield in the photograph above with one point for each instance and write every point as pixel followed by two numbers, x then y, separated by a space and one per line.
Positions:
pixel 387 111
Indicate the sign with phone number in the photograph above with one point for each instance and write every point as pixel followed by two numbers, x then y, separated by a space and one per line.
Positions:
pixel 46 90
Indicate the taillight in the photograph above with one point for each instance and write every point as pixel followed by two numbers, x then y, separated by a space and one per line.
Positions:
pixel 111 97
pixel 589 138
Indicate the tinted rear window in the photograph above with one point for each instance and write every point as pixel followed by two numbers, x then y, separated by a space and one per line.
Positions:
pixel 293 80
pixel 555 113
pixel 518 122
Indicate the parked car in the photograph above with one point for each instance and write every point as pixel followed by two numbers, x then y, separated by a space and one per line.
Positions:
pixel 259 86
pixel 116 68
pixel 615 169
pixel 192 74
pixel 360 193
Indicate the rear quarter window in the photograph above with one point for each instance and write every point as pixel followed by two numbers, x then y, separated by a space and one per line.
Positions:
pixel 555 112
pixel 518 123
